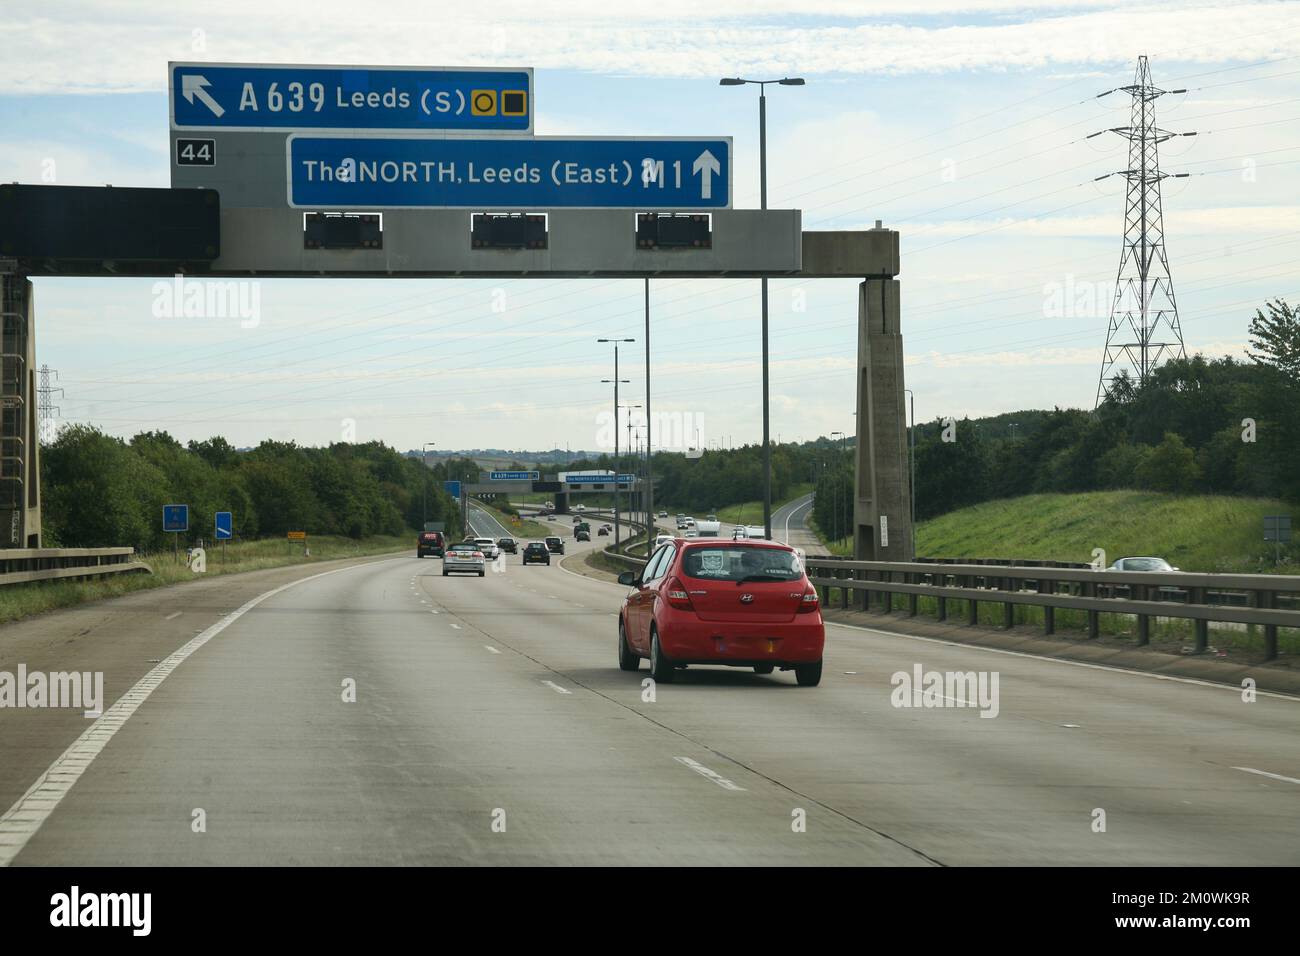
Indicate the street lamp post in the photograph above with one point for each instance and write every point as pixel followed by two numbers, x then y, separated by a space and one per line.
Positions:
pixel 615 380
pixel 911 456
pixel 631 508
pixel 424 485
pixel 762 188
pixel 840 507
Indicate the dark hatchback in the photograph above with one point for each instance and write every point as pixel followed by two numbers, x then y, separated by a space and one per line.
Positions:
pixel 508 545
pixel 536 553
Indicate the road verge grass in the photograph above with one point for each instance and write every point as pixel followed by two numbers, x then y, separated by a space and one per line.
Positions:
pixel 18 601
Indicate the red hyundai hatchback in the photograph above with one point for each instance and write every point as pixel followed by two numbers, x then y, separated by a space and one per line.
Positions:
pixel 739 603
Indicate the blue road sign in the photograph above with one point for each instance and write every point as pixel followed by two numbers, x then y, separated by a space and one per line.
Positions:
pixel 252 96
pixel 176 517
pixel 597 479
pixel 225 526
pixel 514 476
pixel 452 488
pixel 394 172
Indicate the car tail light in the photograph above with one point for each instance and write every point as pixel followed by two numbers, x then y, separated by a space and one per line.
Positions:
pixel 675 594
pixel 808 603
pixel 478 554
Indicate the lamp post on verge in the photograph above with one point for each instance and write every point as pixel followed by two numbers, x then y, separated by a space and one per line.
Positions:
pixel 762 181
pixel 911 463
pixel 424 485
pixel 606 381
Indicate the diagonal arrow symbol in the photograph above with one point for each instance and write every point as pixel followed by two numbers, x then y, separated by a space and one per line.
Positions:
pixel 192 85
pixel 707 165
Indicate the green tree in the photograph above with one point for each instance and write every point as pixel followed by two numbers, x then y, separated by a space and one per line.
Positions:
pixel 1171 467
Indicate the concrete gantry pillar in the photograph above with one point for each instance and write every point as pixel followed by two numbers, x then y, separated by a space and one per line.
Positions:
pixel 882 508
pixel 20 469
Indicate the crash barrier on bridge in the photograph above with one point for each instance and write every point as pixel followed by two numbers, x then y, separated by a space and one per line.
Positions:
pixel 1267 600
pixel 24 565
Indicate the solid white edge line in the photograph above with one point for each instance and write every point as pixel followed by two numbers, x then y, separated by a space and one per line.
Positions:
pixel 1062 660
pixel 30 811
pixel 1265 773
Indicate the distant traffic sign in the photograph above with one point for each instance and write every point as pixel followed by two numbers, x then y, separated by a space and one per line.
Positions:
pixel 280 96
pixel 176 517
pixel 393 172
pixel 579 479
pixel 514 476
pixel 225 526
pixel 297 535
pixel 452 488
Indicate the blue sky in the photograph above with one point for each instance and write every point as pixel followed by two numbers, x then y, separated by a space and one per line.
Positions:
pixel 961 124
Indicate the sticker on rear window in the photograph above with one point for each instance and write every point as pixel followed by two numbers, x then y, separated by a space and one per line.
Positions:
pixel 711 561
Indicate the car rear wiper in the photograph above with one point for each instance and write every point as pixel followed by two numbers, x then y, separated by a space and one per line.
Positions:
pixel 761 577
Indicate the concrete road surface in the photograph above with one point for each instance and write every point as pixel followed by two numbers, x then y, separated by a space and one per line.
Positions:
pixel 491 725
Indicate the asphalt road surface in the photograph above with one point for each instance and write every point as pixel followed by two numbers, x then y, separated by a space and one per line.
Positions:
pixel 491 725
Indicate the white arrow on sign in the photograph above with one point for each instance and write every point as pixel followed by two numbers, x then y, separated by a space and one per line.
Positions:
pixel 192 85
pixel 707 165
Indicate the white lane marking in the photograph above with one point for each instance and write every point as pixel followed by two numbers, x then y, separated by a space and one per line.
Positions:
pixel 556 687
pixel 1265 773
pixel 492 649
pixel 456 626
pixel 713 775
pixel 172 616
pixel 1236 689
pixel 1072 726
pixel 22 820
pixel 434 611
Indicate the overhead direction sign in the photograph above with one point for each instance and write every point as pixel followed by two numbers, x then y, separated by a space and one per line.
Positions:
pixel 280 96
pixel 402 172
pixel 514 476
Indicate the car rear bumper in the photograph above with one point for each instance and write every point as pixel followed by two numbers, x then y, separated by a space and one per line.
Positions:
pixel 801 641
pixel 475 568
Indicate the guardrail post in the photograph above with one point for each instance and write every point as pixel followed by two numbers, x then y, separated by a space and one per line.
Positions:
pixel 1268 599
pixel 1089 589
pixel 863 599
pixel 886 597
pixel 1197 596
pixel 1140 592
pixel 943 608
pixel 844 591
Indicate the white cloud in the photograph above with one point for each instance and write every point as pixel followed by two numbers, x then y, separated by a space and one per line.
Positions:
pixel 114 47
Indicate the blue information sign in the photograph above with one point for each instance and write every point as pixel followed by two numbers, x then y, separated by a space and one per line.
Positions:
pixel 225 526
pixel 253 96
pixel 394 172
pixel 176 517
pixel 452 488
pixel 513 476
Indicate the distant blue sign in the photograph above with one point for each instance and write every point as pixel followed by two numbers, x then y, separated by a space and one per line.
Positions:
pixel 599 479
pixel 534 173
pixel 514 476
pixel 225 528
pixel 452 488
pixel 251 96
pixel 176 517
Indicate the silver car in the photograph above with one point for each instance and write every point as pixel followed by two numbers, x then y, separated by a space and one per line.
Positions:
pixel 466 556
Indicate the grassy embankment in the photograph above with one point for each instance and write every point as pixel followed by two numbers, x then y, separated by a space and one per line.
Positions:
pixel 23 600
pixel 1208 533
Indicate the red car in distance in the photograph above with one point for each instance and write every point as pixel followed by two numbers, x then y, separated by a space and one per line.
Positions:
pixel 737 603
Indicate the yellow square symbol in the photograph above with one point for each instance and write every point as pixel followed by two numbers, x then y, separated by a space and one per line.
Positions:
pixel 514 102
pixel 483 102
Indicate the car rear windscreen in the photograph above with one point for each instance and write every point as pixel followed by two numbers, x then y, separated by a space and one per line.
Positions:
pixel 737 563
